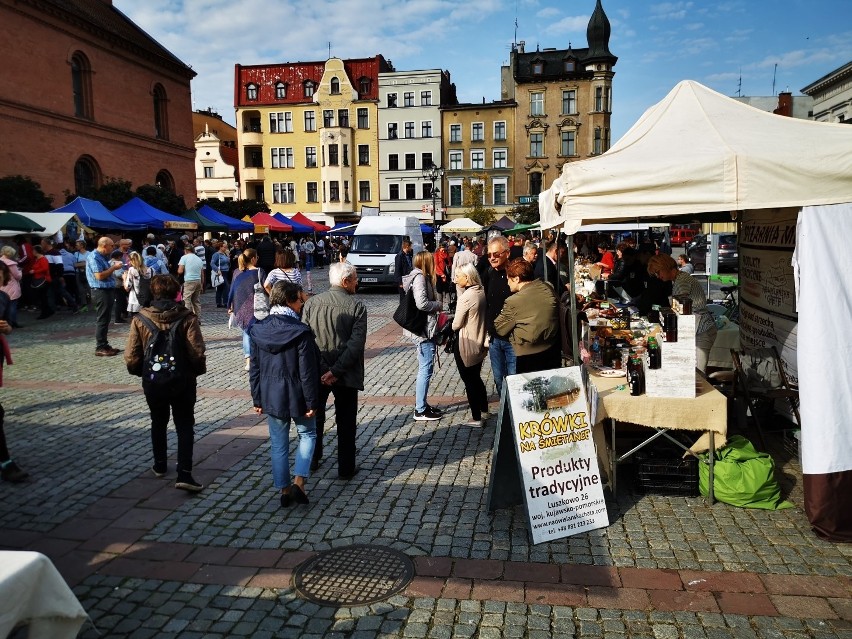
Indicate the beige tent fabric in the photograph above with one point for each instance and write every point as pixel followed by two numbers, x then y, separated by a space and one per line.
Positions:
pixel 707 411
pixel 699 151
pixel 461 225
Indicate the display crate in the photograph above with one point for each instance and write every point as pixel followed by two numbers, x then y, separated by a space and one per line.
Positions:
pixel 665 473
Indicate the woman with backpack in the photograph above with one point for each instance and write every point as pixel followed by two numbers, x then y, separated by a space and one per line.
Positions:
pixel 165 347
pixel 137 283
pixel 285 385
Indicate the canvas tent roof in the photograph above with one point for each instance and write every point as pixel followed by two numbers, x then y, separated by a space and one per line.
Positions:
pixel 461 225
pixel 275 225
pixel 96 216
pixel 233 224
pixel 297 228
pixel 204 223
pixel 698 151
pixel 303 219
pixel 140 212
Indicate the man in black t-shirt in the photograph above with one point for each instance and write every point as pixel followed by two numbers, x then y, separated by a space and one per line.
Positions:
pixel 496 287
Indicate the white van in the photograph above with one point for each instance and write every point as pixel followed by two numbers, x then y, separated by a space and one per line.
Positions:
pixel 376 243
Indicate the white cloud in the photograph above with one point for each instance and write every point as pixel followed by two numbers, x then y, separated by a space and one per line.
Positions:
pixel 548 12
pixel 670 10
pixel 568 25
pixel 693 26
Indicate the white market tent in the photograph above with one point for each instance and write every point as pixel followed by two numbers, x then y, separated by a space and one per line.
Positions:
pixel 698 151
pixel 461 225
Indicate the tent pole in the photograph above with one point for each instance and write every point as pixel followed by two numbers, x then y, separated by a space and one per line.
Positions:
pixel 574 352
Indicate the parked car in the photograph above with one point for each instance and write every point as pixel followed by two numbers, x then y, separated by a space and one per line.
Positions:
pixel 729 257
pixel 681 235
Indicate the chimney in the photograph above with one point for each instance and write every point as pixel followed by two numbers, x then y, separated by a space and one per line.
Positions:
pixel 785 104
pixel 521 45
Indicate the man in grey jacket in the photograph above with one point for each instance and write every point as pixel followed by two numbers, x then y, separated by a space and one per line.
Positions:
pixel 339 323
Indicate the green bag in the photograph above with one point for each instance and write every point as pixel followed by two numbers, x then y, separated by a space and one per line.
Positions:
pixel 742 477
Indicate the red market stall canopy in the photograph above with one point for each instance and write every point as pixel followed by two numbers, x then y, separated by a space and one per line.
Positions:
pixel 274 225
pixel 138 211
pixel 306 221
pixel 95 215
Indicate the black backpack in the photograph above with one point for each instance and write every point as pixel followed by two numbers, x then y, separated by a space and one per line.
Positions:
pixel 143 293
pixel 164 363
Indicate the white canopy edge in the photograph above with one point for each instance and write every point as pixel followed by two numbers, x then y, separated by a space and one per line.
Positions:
pixel 52 223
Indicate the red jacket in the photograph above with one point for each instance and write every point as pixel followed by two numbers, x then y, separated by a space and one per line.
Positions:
pixel 41 268
pixel 441 263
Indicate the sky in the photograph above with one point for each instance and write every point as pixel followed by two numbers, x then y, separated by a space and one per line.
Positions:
pixel 737 47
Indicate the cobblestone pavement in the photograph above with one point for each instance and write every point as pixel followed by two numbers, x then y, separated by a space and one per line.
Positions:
pixel 147 560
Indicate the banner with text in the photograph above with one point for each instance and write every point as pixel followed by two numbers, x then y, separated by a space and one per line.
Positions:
pixel 553 441
pixel 768 315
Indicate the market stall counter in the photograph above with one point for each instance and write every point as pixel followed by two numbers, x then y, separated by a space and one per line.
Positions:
pixel 706 413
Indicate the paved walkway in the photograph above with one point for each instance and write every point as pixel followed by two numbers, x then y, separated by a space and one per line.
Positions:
pixel 147 560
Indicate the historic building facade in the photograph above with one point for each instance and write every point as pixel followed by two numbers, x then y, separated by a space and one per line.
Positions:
pixel 479 149
pixel 832 95
pixel 307 135
pixel 86 95
pixel 410 139
pixel 564 99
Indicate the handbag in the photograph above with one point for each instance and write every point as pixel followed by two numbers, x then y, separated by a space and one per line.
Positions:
pixel 38 282
pixel 261 300
pixel 217 279
pixel 409 316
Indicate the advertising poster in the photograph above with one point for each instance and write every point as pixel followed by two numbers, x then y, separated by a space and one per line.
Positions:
pixel 548 425
pixel 768 314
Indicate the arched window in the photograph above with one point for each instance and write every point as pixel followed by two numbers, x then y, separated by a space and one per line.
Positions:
pixel 81 85
pixel 251 92
pixel 335 86
pixel 165 180
pixel 280 90
pixel 87 175
pixel 161 113
pixel 535 183
pixel 309 89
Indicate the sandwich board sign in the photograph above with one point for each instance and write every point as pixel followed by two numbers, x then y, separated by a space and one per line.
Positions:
pixel 544 455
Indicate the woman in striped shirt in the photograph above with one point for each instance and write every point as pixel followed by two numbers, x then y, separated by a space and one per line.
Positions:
pixel 285 270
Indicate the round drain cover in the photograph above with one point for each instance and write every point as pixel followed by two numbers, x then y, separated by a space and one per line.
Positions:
pixel 353 576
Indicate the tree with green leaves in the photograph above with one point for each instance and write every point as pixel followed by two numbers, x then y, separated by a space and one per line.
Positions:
pixel 114 192
pixel 22 193
pixel 162 199
pixel 525 213
pixel 236 209
pixel 474 189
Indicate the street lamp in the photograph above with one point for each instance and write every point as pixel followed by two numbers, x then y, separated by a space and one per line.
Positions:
pixel 433 174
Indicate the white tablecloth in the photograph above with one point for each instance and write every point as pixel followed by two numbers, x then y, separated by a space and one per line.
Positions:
pixel 727 338
pixel 32 591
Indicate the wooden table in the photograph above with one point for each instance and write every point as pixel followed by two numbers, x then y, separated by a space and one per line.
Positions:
pixel 706 414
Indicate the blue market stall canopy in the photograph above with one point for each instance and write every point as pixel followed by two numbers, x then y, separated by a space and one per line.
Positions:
pixel 95 215
pixel 343 228
pixel 233 224
pixel 425 228
pixel 297 228
pixel 137 211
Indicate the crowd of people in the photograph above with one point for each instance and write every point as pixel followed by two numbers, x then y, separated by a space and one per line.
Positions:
pixel 495 297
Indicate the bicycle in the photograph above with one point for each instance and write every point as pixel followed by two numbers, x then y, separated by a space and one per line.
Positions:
pixel 728 306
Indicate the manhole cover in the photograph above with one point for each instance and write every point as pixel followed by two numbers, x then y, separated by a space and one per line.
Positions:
pixel 353 576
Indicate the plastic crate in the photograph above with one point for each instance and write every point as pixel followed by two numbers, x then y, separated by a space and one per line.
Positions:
pixel 659 474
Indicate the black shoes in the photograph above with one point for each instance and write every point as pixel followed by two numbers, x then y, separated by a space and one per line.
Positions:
pixel 186 482
pixel 11 472
pixel 285 500
pixel 428 415
pixel 350 475
pixel 298 494
pixel 159 470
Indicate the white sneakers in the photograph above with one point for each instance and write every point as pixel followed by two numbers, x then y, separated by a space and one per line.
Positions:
pixel 248 361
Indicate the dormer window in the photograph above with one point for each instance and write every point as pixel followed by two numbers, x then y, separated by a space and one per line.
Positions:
pixel 364 85
pixel 251 92
pixel 280 90
pixel 570 66
pixel 309 89
pixel 538 68
pixel 335 86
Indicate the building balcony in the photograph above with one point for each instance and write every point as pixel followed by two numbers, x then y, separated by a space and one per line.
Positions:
pixel 251 137
pixel 252 173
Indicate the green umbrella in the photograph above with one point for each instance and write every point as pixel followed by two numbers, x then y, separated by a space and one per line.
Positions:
pixel 16 222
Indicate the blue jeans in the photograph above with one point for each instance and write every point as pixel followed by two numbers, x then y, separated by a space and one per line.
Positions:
pixel 503 361
pixel 246 344
pixel 425 362
pixel 279 448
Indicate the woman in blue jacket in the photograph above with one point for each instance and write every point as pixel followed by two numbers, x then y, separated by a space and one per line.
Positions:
pixel 284 376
